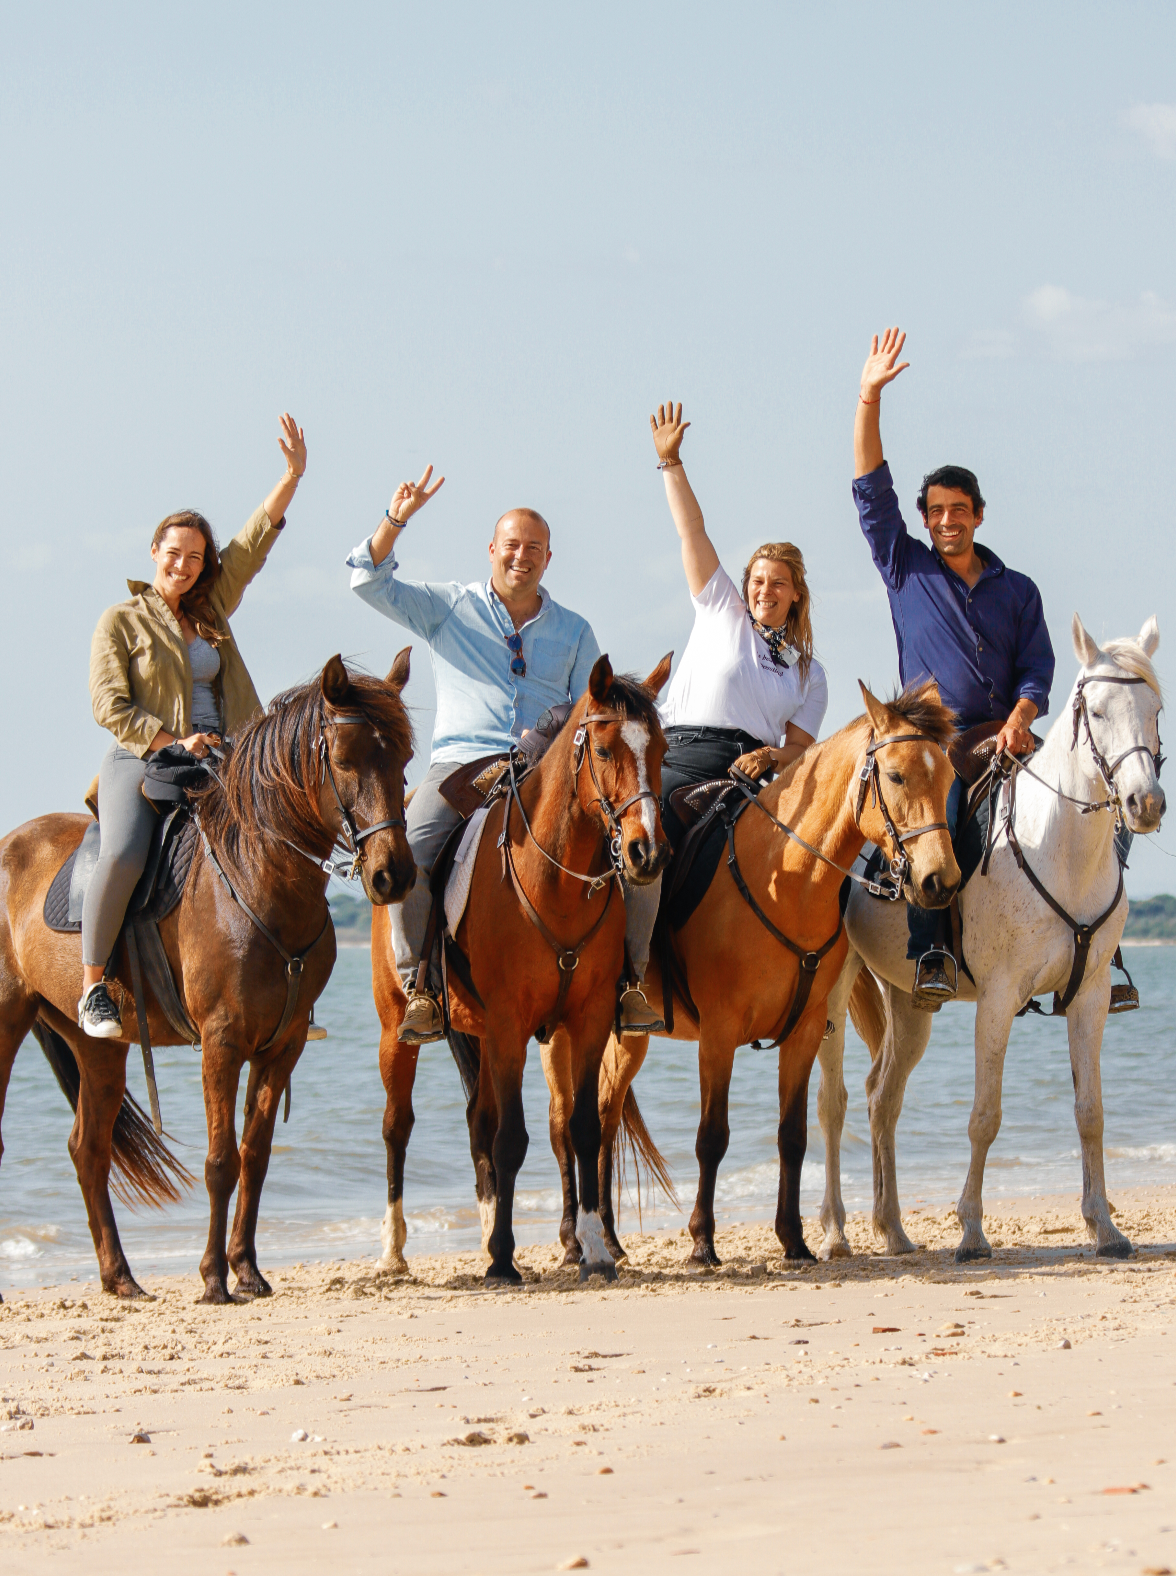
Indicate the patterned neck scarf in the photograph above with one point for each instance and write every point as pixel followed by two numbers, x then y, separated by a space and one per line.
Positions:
pixel 776 640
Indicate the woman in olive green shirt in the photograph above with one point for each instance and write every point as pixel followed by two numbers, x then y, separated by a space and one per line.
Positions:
pixel 164 668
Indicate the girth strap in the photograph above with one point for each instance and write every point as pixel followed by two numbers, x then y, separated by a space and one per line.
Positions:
pixel 810 961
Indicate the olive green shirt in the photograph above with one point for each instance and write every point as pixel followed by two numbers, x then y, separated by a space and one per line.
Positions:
pixel 140 671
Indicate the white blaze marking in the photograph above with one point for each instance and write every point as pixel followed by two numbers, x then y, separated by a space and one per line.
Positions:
pixel 636 736
pixel 590 1235
pixel 930 759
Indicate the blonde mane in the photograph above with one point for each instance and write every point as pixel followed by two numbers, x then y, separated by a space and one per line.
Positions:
pixel 1129 654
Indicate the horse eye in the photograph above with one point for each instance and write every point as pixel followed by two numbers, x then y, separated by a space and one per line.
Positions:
pixel 601 755
pixel 895 777
pixel 1098 714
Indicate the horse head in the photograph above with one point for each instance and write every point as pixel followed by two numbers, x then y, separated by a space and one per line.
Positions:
pixel 902 792
pixel 618 747
pixel 1116 704
pixel 365 745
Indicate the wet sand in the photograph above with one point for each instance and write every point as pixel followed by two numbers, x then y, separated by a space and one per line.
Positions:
pixel 874 1414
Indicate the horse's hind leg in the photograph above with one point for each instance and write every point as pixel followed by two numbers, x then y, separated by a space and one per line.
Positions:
pixel 502 1066
pixel 222 1166
pixel 557 1069
pixel 102 1070
pixel 585 1130
pixel 908 1031
pixel 18 1011
pixel 994 1019
pixel 1085 1022
pixel 715 1063
pixel 623 1060
pixel 398 1065
pixel 832 1104
pixel 262 1097
pixel 797 1055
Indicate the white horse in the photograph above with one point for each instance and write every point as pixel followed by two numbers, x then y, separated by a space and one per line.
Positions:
pixel 1103 749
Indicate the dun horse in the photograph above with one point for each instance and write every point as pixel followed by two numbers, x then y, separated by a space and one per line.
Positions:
pixel 1018 940
pixel 745 950
pixel 326 757
pixel 543 932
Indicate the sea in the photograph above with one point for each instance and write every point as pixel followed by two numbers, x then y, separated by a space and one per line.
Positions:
pixel 325 1193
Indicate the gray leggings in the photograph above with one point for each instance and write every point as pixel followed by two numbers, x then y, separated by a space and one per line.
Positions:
pixel 128 821
pixel 430 820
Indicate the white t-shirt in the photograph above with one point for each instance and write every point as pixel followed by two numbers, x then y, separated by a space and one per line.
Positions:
pixel 727 679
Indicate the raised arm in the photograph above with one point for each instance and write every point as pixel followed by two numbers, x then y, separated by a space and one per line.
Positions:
pixel 406 500
pixel 293 445
pixel 699 558
pixel 878 371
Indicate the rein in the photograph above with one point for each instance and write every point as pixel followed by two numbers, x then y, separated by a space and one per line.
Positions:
pixel 810 961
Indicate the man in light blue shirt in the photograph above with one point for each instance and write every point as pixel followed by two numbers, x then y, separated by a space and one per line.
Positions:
pixel 502 653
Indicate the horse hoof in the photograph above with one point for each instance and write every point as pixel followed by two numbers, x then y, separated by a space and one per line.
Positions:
pixel 897 1246
pixel 800 1255
pixel 837 1249
pixel 500 1279
pixel 128 1289
pixel 608 1271
pixel 397 1266
pixel 703 1258
pixel 573 1255
pixel 251 1284
pixel 1114 1250
pixel 216 1293
pixel 965 1255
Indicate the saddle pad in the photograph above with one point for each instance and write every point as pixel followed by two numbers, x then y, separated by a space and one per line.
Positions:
pixel 457 888
pixel 160 888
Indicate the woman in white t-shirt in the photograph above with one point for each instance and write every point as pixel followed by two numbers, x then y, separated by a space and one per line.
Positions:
pixel 748 691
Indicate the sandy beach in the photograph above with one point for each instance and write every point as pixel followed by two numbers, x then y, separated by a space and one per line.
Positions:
pixel 873 1414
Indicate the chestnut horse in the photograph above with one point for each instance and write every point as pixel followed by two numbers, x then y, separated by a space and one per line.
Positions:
pixel 744 982
pixel 542 896
pixel 296 779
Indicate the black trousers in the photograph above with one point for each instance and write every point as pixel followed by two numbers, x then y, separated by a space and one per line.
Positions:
pixel 696 755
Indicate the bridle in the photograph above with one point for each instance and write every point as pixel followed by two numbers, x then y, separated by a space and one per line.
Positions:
pixel 352 836
pixel 1107 769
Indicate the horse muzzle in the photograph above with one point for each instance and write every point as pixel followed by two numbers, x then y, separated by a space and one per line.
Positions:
pixel 390 881
pixel 933 891
pixel 645 859
pixel 1144 811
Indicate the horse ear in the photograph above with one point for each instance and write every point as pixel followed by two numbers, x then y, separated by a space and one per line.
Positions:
pixel 335 682
pixel 875 710
pixel 656 681
pixel 1085 646
pixel 600 679
pixel 1149 636
pixel 930 692
pixel 398 672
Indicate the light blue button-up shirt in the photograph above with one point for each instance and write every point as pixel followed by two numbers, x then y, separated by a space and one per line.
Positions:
pixel 481 705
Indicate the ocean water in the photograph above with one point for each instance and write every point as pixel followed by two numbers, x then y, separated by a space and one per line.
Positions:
pixel 324 1196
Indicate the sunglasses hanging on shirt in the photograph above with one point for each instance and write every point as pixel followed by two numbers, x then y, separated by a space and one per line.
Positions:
pixel 518 663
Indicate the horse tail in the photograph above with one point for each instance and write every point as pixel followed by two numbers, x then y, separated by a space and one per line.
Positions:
pixel 467 1053
pixel 868 1011
pixel 144 1170
pixel 646 1156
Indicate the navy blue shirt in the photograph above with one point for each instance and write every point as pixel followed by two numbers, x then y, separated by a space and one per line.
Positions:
pixel 985 645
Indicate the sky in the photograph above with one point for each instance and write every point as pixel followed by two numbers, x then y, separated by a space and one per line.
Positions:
pixel 494 238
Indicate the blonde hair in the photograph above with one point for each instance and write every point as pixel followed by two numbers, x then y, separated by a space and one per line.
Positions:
pixel 798 625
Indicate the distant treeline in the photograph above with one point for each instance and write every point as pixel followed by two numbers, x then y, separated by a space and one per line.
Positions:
pixel 1150 919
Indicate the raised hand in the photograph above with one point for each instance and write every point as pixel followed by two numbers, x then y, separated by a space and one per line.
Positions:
pixel 880 368
pixel 411 496
pixel 293 445
pixel 668 430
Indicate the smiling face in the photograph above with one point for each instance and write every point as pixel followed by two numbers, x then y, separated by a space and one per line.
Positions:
pixel 179 558
pixel 952 521
pixel 519 554
pixel 770 592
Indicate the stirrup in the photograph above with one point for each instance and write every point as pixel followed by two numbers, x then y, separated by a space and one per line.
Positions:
pixel 316 1030
pixel 930 999
pixel 425 1033
pixel 648 1020
pixel 1124 998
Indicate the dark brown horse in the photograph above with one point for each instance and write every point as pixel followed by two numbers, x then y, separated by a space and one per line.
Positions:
pixel 884 779
pixel 543 931
pixel 326 757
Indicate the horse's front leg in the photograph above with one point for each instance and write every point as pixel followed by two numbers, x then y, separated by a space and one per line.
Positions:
pixel 590 1039
pixel 504 1055
pixel 832 1104
pixel 797 1056
pixel 262 1096
pixel 398 1065
pixel 715 1062
pixel 102 1068
pixel 994 1020
pixel 908 1031
pixel 221 1069
pixel 622 1061
pixel 1085 1021
pixel 557 1069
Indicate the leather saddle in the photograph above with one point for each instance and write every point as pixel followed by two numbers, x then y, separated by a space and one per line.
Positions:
pixel 469 787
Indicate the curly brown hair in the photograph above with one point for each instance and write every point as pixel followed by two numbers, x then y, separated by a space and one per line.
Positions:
pixel 196 604
pixel 798 625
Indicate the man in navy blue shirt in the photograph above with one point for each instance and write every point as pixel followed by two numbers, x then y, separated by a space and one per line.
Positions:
pixel 960 616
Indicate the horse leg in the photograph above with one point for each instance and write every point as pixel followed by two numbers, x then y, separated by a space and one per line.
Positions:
pixel 222 1166
pixel 557 1069
pixel 18 1011
pixel 622 1061
pixel 482 1121
pixel 262 1095
pixel 908 1032
pixel 103 1082
pixel 832 1104
pixel 714 1134
pixel 797 1055
pixel 585 1133
pixel 994 1019
pixel 505 1064
pixel 1085 1022
pixel 398 1065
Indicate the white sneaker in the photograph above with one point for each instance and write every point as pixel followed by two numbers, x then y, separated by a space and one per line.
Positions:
pixel 98 1014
